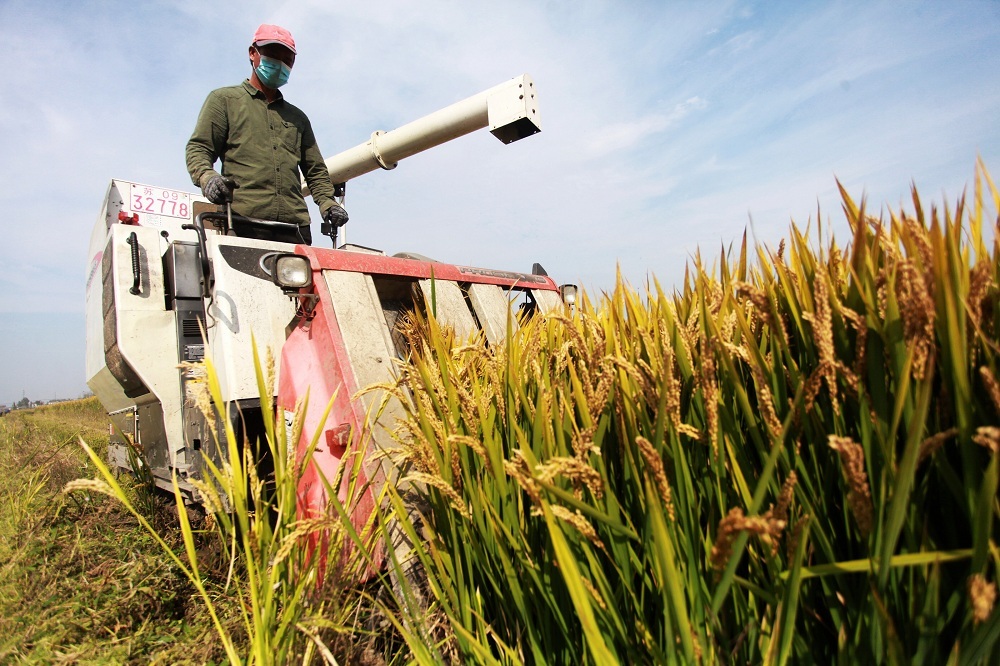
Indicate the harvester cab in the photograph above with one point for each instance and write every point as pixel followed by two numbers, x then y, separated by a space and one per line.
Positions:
pixel 168 286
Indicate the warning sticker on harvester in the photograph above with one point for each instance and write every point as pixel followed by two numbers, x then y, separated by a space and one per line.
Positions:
pixel 159 201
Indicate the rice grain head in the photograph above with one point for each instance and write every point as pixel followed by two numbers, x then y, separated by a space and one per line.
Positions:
pixel 331 524
pixel 655 464
pixel 573 469
pixel 795 537
pixel 822 323
pixel 850 378
pixel 780 511
pixel 988 437
pixel 737 351
pixel 269 373
pixel 761 308
pixel 710 392
pixel 690 431
pixel 990 382
pixel 577 520
pixel 917 233
pixel 595 595
pixel 859 496
pixel 765 400
pixel 980 283
pixel 860 327
pixel 197 393
pixel 471 443
pixel 517 469
pixel 929 446
pixel 916 305
pixel 982 597
pixel 209 495
pixel 454 499
pixel 812 387
pixel 767 528
pixel 88 485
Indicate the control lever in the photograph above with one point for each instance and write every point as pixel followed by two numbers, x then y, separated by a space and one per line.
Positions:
pixel 327 229
pixel 330 230
pixel 231 185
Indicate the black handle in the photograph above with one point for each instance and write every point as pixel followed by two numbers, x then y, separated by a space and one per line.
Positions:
pixel 230 186
pixel 206 269
pixel 329 229
pixel 133 240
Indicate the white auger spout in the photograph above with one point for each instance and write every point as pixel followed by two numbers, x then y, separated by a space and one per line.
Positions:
pixel 510 110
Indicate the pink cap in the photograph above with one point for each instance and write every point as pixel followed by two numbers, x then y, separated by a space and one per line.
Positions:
pixel 274 34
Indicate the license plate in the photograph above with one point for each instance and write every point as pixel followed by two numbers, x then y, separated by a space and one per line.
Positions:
pixel 158 201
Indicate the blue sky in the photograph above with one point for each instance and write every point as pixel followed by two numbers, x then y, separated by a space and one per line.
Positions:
pixel 667 126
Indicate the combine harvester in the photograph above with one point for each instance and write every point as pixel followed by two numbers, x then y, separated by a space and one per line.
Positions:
pixel 167 287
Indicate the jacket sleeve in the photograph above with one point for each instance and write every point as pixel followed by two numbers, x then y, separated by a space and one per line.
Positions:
pixel 314 171
pixel 208 142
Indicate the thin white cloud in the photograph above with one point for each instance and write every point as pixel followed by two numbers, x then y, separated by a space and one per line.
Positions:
pixel 623 136
pixel 737 44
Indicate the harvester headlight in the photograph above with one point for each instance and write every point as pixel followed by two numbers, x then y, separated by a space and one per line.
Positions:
pixel 292 271
pixel 568 293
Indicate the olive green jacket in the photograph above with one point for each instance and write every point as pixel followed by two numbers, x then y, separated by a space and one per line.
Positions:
pixel 262 147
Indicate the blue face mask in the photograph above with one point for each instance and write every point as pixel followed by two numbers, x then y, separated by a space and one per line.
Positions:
pixel 272 73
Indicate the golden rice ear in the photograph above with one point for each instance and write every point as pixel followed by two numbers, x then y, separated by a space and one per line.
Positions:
pixel 916 303
pixel 88 485
pixel 655 464
pixel 766 527
pixel 859 496
pixel 780 510
pixel 992 388
pixel 982 597
pixel 929 446
pixel 988 437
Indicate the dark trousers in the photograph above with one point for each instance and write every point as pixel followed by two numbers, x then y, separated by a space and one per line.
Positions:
pixel 303 234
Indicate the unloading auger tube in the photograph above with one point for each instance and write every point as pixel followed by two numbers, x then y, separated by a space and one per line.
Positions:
pixel 510 110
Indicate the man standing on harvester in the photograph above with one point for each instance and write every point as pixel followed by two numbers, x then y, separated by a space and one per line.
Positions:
pixel 263 142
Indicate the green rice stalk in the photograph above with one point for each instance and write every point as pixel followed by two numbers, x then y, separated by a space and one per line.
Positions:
pixel 582 477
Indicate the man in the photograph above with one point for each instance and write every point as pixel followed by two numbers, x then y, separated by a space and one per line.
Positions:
pixel 263 142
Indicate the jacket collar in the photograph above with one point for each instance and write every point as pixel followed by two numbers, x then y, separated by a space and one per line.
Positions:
pixel 253 92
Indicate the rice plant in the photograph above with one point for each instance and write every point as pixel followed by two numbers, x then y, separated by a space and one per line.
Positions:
pixel 290 612
pixel 794 457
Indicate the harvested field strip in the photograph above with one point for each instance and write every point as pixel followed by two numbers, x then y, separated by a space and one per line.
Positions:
pixel 80 581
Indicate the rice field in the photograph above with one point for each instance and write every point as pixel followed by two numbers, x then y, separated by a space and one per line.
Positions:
pixel 792 457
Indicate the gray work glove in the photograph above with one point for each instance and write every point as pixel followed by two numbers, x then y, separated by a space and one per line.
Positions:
pixel 335 216
pixel 217 190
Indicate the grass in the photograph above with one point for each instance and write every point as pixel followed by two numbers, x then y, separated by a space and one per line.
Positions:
pixel 81 582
